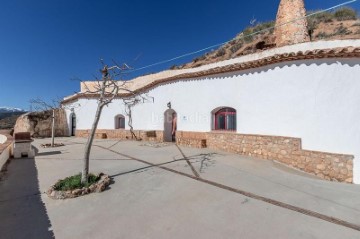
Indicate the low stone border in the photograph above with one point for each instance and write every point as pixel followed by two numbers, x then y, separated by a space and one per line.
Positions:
pixel 49 145
pixel 98 187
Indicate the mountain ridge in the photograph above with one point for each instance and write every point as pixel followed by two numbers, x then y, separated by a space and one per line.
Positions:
pixel 6 109
pixel 8 116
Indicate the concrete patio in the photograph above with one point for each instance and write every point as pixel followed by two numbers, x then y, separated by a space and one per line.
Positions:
pixel 161 197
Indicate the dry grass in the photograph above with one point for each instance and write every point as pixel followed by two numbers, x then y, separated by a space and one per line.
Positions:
pixel 341 24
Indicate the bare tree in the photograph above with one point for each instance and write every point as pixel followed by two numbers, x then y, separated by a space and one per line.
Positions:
pixel 107 89
pixel 129 103
pixel 41 105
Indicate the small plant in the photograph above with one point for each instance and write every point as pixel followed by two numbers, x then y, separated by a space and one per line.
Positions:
pixel 232 42
pixel 321 17
pixel 264 25
pixel 315 20
pixel 345 14
pixel 322 35
pixel 342 31
pixel 236 47
pixel 200 58
pixel 220 52
pixel 247 34
pixel 74 182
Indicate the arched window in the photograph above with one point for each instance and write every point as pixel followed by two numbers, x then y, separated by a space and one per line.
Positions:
pixel 225 119
pixel 119 122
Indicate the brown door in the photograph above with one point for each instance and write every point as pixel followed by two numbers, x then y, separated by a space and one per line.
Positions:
pixel 168 125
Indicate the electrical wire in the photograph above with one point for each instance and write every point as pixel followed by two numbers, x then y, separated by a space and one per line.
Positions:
pixel 244 36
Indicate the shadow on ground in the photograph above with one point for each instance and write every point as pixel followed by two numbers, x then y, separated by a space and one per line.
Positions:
pixel 22 212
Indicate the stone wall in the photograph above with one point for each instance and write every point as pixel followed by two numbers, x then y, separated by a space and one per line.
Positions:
pixel 39 123
pixel 192 139
pixel 287 150
pixel 292 11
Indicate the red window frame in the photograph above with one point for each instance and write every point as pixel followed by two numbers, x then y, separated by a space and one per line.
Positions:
pixel 225 112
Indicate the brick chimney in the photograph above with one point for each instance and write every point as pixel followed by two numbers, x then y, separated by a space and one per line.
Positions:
pixel 296 31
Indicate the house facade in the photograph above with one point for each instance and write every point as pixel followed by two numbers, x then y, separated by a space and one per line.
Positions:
pixel 297 104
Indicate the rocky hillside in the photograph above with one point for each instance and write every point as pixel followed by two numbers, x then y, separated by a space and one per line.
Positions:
pixel 341 24
pixel 39 123
pixel 8 117
pixel 9 122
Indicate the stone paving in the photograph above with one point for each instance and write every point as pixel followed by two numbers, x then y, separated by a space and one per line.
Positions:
pixel 147 201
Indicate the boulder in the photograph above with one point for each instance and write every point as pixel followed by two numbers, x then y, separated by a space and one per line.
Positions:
pixel 38 124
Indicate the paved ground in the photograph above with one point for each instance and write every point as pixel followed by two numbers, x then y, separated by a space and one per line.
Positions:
pixel 151 202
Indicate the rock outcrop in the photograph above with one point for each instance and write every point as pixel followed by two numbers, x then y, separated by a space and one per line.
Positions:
pixel 39 123
pixel 291 24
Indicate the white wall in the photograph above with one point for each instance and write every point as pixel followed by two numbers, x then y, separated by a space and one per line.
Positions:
pixel 317 101
pixel 85 110
pixel 3 139
pixel 4 155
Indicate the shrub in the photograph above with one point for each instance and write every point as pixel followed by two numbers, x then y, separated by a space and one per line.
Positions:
pixel 232 42
pixel 236 47
pixel 322 35
pixel 200 58
pixel 321 17
pixel 342 31
pixel 345 14
pixel 220 52
pixel 264 25
pixel 314 20
pixel 74 182
pixel 248 31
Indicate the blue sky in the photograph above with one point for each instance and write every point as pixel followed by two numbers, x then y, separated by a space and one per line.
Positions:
pixel 44 44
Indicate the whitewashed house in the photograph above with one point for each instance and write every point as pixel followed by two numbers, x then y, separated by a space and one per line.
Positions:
pixel 298 104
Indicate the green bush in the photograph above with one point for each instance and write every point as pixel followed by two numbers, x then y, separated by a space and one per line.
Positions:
pixel 345 14
pixel 74 182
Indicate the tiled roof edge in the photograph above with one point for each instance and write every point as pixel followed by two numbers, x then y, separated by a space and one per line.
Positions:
pixel 340 52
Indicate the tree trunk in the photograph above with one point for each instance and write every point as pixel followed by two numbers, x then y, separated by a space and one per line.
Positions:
pixel 85 171
pixel 130 124
pixel 53 128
